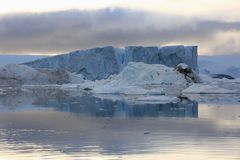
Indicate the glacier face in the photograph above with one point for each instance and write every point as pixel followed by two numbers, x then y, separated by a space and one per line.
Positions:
pixel 100 63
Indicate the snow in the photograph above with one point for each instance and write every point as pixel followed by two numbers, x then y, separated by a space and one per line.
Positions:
pixel 183 66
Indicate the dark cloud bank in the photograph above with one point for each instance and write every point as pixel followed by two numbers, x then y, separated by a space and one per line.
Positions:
pixel 73 29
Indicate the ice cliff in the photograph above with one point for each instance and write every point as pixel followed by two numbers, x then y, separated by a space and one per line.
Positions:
pixel 100 63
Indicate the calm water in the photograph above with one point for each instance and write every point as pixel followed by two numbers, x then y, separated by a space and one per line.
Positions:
pixel 84 127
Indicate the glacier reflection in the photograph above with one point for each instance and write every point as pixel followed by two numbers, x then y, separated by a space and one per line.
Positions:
pixel 92 106
pixel 86 127
pixel 87 105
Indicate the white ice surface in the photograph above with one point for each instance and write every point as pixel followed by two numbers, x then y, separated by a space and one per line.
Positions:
pixel 141 78
pixel 207 89
pixel 29 75
pixel 18 71
pixel 157 99
pixel 2 92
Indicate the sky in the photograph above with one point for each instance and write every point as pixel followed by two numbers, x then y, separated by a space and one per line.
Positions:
pixel 57 26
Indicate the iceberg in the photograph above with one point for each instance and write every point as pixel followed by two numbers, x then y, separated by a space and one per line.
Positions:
pixel 139 78
pixel 100 63
pixel 14 75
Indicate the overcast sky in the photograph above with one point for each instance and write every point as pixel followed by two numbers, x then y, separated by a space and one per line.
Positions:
pixel 58 26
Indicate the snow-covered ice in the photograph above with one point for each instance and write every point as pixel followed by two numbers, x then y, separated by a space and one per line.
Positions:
pixel 141 78
pixel 157 99
pixel 207 89
pixel 16 75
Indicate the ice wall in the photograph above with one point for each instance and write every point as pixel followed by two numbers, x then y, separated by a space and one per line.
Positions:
pixel 99 63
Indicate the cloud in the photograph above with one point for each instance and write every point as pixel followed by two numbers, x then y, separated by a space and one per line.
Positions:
pixel 77 29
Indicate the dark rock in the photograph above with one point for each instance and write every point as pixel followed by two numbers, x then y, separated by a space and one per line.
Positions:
pixel 188 72
pixel 182 98
pixel 87 89
pixel 221 76
pixel 145 133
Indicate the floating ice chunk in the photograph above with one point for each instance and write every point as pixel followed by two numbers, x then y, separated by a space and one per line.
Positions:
pixel 207 89
pixel 2 92
pixel 157 99
pixel 122 89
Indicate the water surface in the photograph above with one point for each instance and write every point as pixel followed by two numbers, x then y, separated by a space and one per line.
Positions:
pixel 86 127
